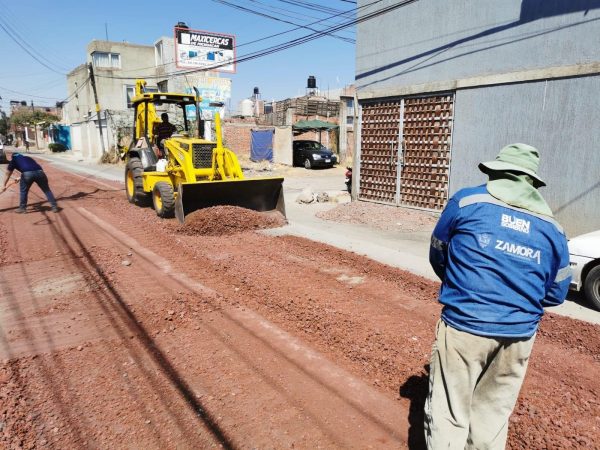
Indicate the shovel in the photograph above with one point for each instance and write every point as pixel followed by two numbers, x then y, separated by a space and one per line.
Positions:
pixel 14 181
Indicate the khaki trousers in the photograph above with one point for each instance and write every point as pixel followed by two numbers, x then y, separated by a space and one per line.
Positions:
pixel 474 383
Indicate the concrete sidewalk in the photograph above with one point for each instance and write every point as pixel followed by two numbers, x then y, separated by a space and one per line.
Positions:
pixel 408 251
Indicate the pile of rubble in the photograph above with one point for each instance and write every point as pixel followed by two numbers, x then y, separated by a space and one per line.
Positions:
pixel 224 220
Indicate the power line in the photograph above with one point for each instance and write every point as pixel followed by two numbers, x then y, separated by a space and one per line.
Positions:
pixel 343 13
pixel 6 20
pixel 285 45
pixel 312 6
pixel 70 97
pixel 30 49
pixel 26 95
pixel 340 14
pixel 301 6
pixel 332 13
pixel 248 10
pixel 66 100
pixel 10 35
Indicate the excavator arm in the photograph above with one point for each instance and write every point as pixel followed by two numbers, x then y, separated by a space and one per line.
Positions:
pixel 143 109
pixel 225 165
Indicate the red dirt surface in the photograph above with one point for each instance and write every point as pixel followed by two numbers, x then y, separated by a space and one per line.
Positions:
pixel 225 220
pixel 117 331
pixel 383 217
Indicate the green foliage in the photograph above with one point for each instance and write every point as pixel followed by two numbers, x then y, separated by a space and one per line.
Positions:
pixel 27 117
pixel 3 124
pixel 57 147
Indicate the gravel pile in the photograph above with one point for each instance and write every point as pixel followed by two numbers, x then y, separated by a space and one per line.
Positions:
pixel 383 217
pixel 224 220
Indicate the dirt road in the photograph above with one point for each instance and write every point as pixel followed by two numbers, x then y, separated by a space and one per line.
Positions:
pixel 119 331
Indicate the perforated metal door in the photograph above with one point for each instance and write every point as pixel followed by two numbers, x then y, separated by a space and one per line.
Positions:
pixel 405 151
pixel 380 133
pixel 426 132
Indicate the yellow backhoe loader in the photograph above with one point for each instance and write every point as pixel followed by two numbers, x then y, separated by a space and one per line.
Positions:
pixel 182 173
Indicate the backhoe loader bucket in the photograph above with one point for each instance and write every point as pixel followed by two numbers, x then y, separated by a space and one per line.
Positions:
pixel 259 194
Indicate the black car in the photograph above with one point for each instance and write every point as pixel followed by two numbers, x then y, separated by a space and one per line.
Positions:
pixel 312 154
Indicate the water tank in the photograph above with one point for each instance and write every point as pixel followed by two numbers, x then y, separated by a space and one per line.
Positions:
pixel 182 25
pixel 312 82
pixel 247 107
pixel 256 92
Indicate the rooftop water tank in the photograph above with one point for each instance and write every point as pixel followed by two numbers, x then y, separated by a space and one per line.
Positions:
pixel 247 107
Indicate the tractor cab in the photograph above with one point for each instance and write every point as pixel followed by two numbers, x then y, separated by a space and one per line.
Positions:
pixel 159 116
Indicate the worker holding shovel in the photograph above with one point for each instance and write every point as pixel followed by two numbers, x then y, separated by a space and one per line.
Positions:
pixel 31 172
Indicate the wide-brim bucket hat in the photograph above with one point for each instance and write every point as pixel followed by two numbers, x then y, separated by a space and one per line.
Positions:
pixel 521 158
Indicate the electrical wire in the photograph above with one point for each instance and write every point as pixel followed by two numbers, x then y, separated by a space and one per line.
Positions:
pixel 9 19
pixel 258 13
pixel 283 46
pixel 312 6
pixel 70 97
pixel 26 95
pixel 27 47
pixel 295 29
pixel 333 14
pixel 238 45
pixel 290 12
pixel 340 14
pixel 29 52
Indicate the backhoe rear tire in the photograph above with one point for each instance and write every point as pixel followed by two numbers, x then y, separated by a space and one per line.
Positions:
pixel 163 199
pixel 134 184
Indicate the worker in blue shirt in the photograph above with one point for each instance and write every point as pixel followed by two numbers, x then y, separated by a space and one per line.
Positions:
pixel 31 172
pixel 502 259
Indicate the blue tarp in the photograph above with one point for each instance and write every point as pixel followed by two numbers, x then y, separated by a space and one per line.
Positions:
pixel 261 147
pixel 61 134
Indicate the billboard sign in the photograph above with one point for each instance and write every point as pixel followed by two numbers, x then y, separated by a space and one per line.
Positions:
pixel 211 89
pixel 196 49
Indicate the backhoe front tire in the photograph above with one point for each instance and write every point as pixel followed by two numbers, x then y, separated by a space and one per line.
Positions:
pixel 163 199
pixel 134 184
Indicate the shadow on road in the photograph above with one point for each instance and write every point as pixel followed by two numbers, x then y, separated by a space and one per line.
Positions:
pixel 415 389
pixel 115 306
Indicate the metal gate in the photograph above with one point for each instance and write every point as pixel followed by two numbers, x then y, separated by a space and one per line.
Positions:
pixel 416 173
pixel 379 138
pixel 427 128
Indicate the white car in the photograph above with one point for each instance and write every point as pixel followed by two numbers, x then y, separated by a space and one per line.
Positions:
pixel 584 252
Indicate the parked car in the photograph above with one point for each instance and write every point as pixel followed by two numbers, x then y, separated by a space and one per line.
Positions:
pixel 312 154
pixel 584 254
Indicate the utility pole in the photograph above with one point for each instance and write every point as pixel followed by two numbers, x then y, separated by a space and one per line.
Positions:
pixel 93 81
pixel 37 145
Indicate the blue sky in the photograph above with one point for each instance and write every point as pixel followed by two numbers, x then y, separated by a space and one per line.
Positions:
pixel 61 30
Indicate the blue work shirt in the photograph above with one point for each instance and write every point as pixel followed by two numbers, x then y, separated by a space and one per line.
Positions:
pixel 500 265
pixel 22 163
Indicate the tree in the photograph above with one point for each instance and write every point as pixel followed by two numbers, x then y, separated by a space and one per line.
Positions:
pixel 25 117
pixel 3 124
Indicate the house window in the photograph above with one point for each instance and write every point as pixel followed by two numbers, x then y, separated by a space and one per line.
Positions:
pixel 350 106
pixel 107 60
pixel 350 121
pixel 130 93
